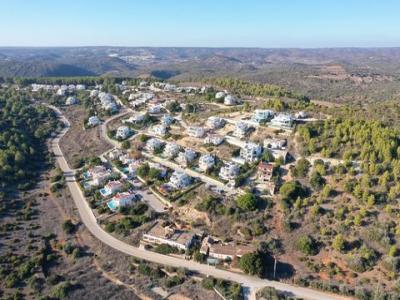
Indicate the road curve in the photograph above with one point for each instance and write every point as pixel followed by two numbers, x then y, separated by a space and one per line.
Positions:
pixel 91 224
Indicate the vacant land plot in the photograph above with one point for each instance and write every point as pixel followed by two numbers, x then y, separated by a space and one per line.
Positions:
pixel 78 142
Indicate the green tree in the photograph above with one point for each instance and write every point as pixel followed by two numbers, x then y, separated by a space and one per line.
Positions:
pixel 247 202
pixel 252 263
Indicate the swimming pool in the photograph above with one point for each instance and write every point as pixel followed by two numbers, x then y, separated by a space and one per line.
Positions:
pixel 113 205
pixel 104 192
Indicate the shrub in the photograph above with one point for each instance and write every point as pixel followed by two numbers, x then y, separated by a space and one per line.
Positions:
pixel 251 263
pixel 247 202
pixel 62 290
pixel 68 226
pixel 307 245
pixel 174 281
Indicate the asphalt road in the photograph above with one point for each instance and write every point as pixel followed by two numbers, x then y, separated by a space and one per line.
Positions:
pixel 249 282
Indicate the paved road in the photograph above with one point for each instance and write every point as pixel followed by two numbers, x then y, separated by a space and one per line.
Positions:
pixel 91 224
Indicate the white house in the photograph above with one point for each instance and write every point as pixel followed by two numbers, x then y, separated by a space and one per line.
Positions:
pixel 153 144
pixel 186 157
pixel 215 122
pixel 121 200
pixel 111 187
pixel 219 95
pixel 163 170
pixel 275 143
pixel 155 109
pixel 241 129
pixel 93 121
pixel 282 121
pixel 71 100
pixel 206 162
pixel 160 129
pixel 195 131
pixel 230 100
pixel 167 120
pixel 301 115
pixel 251 152
pixel 213 139
pixel 136 118
pixel 229 171
pixel 262 115
pixel 179 180
pixel 94 93
pixel 60 92
pixel 171 150
pixel 80 87
pixel 123 132
pixel 115 154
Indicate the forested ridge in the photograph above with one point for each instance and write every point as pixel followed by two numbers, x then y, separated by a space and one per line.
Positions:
pixel 24 128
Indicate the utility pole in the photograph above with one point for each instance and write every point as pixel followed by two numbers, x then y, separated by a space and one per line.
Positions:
pixel 274 266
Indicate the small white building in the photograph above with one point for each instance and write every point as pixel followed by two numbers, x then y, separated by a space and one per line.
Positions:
pixel 282 121
pixel 160 129
pixel 93 121
pixel 230 100
pixel 241 129
pixel 196 131
pixel 94 93
pixel 136 118
pixel 206 162
pixel 275 143
pixel 155 109
pixel 180 180
pixel 60 92
pixel 301 115
pixel 251 152
pixel 213 139
pixel 153 144
pixel 186 157
pixel 123 132
pixel 219 95
pixel 262 115
pixel 215 122
pixel 80 87
pixel 171 150
pixel 71 100
pixel 229 171
pixel 167 120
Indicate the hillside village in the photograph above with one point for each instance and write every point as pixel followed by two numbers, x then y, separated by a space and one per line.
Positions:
pixel 221 176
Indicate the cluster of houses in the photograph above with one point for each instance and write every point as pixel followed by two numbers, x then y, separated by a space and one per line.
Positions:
pixel 107 102
pixel 100 177
pixel 61 90
pixel 227 98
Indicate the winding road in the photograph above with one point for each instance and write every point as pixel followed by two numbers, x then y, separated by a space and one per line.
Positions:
pixel 251 284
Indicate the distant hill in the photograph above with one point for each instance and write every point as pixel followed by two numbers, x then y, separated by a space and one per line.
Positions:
pixel 337 74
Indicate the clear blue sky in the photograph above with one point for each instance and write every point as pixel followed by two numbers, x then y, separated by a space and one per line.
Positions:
pixel 211 23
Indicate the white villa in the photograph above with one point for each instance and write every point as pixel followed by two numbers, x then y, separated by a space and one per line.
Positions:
pixel 195 131
pixel 71 100
pixel 136 118
pixel 153 144
pixel 112 187
pixel 167 120
pixel 215 122
pixel 230 100
pixel 251 152
pixel 229 171
pixel 107 102
pixel 275 143
pixel 180 180
pixel 301 115
pixel 206 162
pixel 93 121
pixel 186 157
pixel 160 129
pixel 60 92
pixel 219 95
pixel 213 139
pixel 123 132
pixel 241 129
pixel 155 109
pixel 94 93
pixel 121 200
pixel 171 150
pixel 262 115
pixel 282 121
pixel 163 170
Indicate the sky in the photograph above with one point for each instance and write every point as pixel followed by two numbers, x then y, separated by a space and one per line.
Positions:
pixel 201 23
